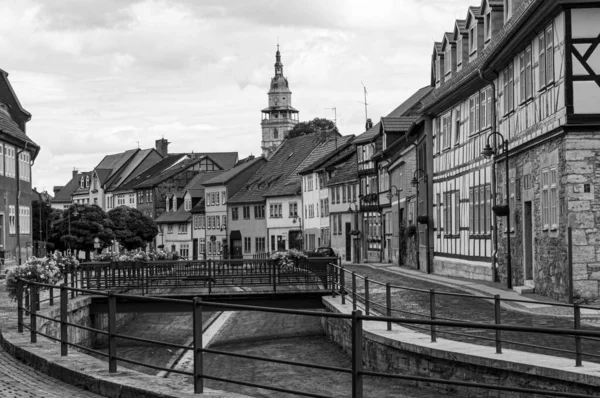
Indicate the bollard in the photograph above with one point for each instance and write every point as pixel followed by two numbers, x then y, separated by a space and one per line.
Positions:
pixel 577 319
pixel 366 295
pixel 198 364
pixel 112 330
pixel 64 338
pixel 498 321
pixel 354 290
pixel 388 304
pixel 32 312
pixel 432 314
pixel 357 353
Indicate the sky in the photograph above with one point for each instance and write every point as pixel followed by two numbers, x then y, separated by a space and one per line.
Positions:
pixel 102 77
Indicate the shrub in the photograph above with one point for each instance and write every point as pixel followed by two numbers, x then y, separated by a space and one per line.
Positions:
pixel 288 258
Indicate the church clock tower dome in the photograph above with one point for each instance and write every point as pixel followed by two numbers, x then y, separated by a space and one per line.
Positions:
pixel 279 118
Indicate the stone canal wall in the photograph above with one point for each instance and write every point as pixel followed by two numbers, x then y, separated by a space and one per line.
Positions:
pixel 405 352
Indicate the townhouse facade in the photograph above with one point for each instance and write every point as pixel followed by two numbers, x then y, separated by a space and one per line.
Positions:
pixel 515 78
pixel 17 152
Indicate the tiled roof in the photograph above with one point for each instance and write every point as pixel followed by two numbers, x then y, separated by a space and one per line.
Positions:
pixel 226 160
pixel 150 172
pixel 64 195
pixel 496 3
pixel 102 174
pixel 341 158
pixel 461 24
pixel 10 128
pixel 471 70
pixel 83 190
pixel 225 176
pixel 281 164
pixel 196 192
pixel 171 217
pixel 368 135
pixel 345 172
pixel 292 184
pixel 475 10
pixel 168 173
pixel 397 124
pixel 437 46
pixel 124 174
pixel 342 148
pixel 115 161
pixel 198 181
pixel 199 208
pixel 449 36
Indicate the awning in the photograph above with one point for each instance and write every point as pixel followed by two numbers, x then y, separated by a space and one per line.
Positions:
pixel 235 235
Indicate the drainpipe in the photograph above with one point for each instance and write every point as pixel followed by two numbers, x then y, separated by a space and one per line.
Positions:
pixel 493 177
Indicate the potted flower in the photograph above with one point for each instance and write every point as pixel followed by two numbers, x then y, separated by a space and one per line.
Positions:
pixel 501 210
pixel 410 231
pixel 423 219
pixel 43 270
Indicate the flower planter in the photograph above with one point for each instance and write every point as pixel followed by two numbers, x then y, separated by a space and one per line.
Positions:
pixel 410 231
pixel 423 219
pixel 501 210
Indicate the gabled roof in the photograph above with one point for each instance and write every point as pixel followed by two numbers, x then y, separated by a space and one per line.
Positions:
pixel 225 160
pixel 397 124
pixel 119 177
pixel 171 217
pixel 282 163
pixel 292 184
pixel 83 190
pixel 460 28
pixel 170 172
pixel 448 39
pixel 473 12
pixel 150 172
pixel 341 150
pixel 102 174
pixel 195 193
pixel 437 47
pixel 226 176
pixel 64 195
pixel 368 135
pixel 345 172
pixel 10 128
pixel 115 161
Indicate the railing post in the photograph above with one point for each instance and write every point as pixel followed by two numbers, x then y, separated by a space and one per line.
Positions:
pixel 51 296
pixel 210 275
pixel 112 330
pixel 333 269
pixel 432 314
pixel 32 312
pixel 357 360
pixel 343 284
pixel 64 338
pixel 274 268
pixel 198 364
pixel 577 319
pixel 73 282
pixel 498 321
pixel 37 298
pixel 354 290
pixel 20 290
pixel 388 304
pixel 366 295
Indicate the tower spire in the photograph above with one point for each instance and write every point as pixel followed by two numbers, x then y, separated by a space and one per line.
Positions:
pixel 278 64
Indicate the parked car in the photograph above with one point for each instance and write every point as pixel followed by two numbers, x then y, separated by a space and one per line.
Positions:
pixel 321 252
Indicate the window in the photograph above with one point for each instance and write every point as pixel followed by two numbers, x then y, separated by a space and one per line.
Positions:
pixel 525 84
pixel 150 192
pixel 260 245
pixel 485 109
pixel 542 60
pixel 140 195
pixel 275 210
pixel 457 126
pixel 488 26
pixel 480 207
pixel 438 213
pixel 448 60
pixel 549 199
pixel 448 213
pixel 508 88
pixel 234 213
pixel 9 158
pixel 456 212
pixel 188 205
pixel 1 159
pixel 311 211
pixel 202 222
pixel 224 197
pixel 131 199
pixel 247 245
pixel 87 179
pixel 259 211
pixel 549 54
pixel 169 228
pixel 184 250
pixel 326 204
pixel 473 39
pixel 224 221
pixel 25 167
pixel 11 220
pixel 293 209
pixel 309 182
pixel 202 243
pixel 384 183
pixel 183 228
pixel 216 196
pixel 246 212
pixel 446 130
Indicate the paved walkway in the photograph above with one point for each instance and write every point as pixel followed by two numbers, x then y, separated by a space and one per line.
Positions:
pixel 415 304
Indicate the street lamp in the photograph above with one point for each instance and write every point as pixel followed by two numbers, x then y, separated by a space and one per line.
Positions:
pixel 488 152
pixel 390 195
pixel 298 219
pixel 415 183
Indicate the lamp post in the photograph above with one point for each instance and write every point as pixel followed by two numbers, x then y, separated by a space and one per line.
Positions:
pixel 298 219
pixel 488 152
pixel 390 195
pixel 356 243
pixel 415 183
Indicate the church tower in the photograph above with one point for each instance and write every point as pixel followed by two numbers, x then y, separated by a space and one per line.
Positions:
pixel 279 118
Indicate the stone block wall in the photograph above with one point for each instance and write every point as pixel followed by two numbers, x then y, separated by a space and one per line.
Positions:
pixel 78 313
pixel 459 268
pixel 582 191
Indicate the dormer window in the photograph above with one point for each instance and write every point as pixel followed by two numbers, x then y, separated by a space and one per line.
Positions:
pixel 82 182
pixel 87 181
pixel 488 26
pixel 459 51
pixel 473 39
pixel 448 60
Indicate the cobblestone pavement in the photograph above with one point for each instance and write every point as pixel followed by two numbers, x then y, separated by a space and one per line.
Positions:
pixel 20 380
pixel 415 305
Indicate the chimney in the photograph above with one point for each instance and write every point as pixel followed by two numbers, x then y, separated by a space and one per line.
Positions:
pixel 369 124
pixel 162 147
pixel 75 172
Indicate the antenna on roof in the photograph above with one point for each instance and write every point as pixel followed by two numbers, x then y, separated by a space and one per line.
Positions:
pixel 365 103
pixel 334 115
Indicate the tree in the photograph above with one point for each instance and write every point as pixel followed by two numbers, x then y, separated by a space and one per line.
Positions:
pixel 314 126
pixel 41 215
pixel 132 228
pixel 85 222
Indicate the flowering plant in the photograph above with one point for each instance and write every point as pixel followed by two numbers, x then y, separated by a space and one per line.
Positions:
pixel 65 263
pixel 44 270
pixel 106 257
pixel 288 258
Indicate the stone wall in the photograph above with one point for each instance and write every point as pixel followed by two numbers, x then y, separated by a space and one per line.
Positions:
pixel 78 312
pixel 406 352
pixel 459 268
pixel 582 176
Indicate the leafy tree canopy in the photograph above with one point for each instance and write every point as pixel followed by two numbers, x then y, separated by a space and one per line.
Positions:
pixel 313 126
pixel 132 228
pixel 87 222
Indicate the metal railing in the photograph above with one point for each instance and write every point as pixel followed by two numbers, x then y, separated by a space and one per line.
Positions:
pixel 28 304
pixel 360 291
